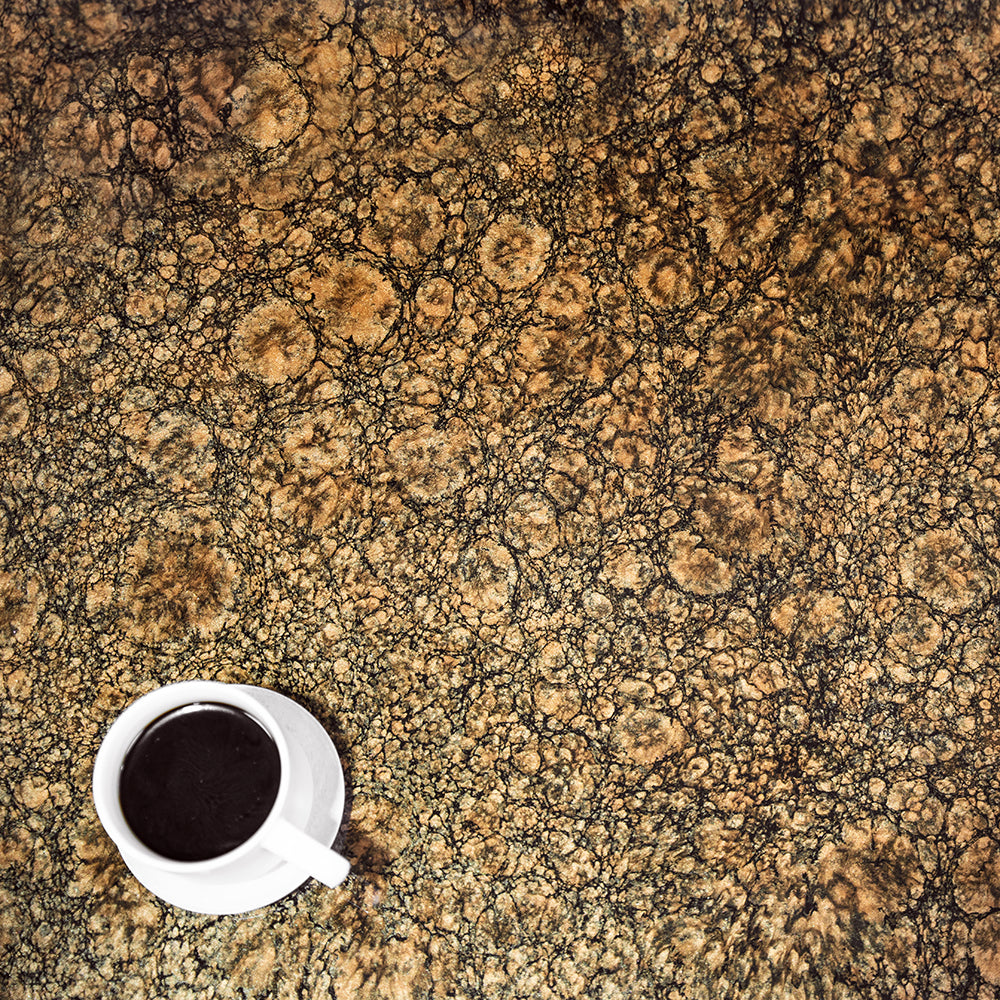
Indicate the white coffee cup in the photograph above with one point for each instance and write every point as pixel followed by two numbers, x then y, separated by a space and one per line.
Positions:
pixel 279 839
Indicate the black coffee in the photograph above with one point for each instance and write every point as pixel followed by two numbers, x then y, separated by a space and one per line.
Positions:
pixel 199 781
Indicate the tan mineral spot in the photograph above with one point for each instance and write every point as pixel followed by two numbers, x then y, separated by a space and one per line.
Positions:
pixel 696 568
pixel 486 576
pixel 22 595
pixel 269 109
pixel 665 278
pixel 734 521
pixel 977 877
pixel 986 948
pixel 356 302
pixel 559 700
pixel 434 300
pixel 916 631
pixel 177 450
pixel 873 872
pixel 177 583
pixel 629 569
pixel 566 294
pixel 940 567
pixel 147 305
pixel 409 223
pixel 532 525
pixel 150 144
pixel 431 462
pixel 145 75
pixel 326 68
pixel 41 369
pixel 647 735
pixel 33 793
pixel 199 249
pixel 274 342
pixel 513 252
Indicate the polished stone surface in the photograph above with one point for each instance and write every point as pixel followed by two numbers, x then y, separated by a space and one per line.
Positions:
pixel 588 410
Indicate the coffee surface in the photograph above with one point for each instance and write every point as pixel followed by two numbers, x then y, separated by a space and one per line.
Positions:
pixel 199 781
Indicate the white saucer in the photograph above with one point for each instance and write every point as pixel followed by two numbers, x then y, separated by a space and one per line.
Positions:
pixel 319 787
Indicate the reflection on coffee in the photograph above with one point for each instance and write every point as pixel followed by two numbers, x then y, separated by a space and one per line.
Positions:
pixel 199 781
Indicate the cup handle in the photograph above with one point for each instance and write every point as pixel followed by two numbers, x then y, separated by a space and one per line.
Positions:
pixel 307 855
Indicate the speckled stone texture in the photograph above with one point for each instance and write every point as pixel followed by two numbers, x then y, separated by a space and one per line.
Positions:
pixel 589 411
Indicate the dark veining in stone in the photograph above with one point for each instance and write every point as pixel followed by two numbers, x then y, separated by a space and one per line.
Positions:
pixel 591 410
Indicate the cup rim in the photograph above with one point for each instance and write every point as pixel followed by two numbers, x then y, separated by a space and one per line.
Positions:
pixel 127 727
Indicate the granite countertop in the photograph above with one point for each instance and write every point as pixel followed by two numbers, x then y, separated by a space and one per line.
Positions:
pixel 589 411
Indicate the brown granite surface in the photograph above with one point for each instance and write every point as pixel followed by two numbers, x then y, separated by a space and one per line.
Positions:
pixel 588 410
